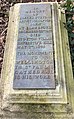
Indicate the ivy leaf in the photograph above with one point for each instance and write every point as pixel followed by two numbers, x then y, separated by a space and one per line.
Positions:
pixel 72 35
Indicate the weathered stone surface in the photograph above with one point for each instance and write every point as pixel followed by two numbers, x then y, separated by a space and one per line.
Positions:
pixel 34 65
pixel 55 103
pixel 56 95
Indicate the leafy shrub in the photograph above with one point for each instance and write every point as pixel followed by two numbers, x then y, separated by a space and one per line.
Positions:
pixel 69 11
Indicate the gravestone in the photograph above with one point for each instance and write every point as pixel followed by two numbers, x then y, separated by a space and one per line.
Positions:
pixel 34 67
pixel 37 81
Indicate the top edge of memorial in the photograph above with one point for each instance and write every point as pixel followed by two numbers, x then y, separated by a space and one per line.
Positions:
pixel 50 3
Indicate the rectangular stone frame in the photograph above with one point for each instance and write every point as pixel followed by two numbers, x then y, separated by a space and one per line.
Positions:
pixel 63 105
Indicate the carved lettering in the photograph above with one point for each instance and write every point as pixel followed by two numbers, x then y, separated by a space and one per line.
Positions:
pixel 34 52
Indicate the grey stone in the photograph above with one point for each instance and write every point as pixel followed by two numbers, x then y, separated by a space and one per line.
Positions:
pixel 34 66
pixel 55 103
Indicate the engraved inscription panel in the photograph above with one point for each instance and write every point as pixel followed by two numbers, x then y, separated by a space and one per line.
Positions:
pixel 34 65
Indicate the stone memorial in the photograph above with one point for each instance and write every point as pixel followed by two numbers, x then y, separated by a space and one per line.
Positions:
pixel 34 67
pixel 37 80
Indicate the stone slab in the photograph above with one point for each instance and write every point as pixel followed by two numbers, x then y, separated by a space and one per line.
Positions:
pixel 34 65
pixel 10 95
pixel 38 104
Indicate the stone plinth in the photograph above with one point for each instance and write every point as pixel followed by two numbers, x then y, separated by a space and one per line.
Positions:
pixel 37 76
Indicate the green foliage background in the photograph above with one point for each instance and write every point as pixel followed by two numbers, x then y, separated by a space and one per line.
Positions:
pixel 69 11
